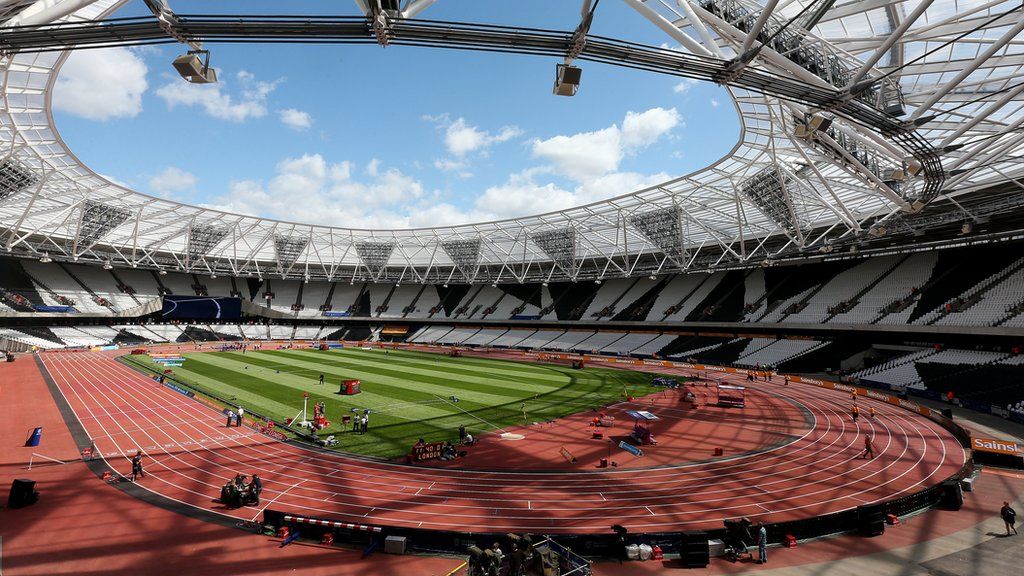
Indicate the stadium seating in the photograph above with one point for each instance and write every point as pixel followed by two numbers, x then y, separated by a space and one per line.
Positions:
pixel 512 338
pixel 778 351
pixel 540 339
pixel 629 342
pixel 569 340
pixel 483 337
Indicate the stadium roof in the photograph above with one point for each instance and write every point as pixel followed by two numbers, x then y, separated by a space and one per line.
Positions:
pixel 859 118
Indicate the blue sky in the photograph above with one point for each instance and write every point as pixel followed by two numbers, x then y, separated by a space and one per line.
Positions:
pixel 365 136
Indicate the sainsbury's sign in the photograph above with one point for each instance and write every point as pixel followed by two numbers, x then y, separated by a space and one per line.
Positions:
pixel 1008 447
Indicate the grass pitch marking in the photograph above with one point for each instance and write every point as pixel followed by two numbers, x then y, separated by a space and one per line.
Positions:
pixel 454 405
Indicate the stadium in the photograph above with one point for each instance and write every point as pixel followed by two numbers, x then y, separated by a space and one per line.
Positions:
pixel 807 348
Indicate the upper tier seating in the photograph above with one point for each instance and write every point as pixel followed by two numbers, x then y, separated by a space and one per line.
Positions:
pixel 778 351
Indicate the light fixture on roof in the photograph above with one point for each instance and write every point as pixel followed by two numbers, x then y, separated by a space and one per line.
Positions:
pixel 567 80
pixel 653 277
pixel 108 266
pixel 598 281
pixel 45 259
pixel 163 272
pixel 194 67
pixel 213 276
pixel 444 285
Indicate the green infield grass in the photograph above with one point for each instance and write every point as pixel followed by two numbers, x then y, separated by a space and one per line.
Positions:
pixel 408 393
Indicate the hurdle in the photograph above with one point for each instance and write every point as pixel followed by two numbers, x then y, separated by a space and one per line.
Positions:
pixel 331 524
pixel 35 455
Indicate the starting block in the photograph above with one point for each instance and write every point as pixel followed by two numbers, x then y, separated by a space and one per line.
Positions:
pixel 789 541
pixel 283 532
pixel 327 539
pixel 598 435
pixel 107 476
pixel 719 451
pixel 892 520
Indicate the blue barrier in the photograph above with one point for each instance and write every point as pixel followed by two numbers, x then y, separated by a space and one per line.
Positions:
pixel 291 538
pixel 36 436
pixel 630 448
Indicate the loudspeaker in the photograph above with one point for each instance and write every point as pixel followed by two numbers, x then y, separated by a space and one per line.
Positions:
pixel 952 495
pixel 22 493
pixel 871 520
pixel 693 549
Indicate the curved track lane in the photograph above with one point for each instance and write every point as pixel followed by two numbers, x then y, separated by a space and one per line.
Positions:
pixel 191 455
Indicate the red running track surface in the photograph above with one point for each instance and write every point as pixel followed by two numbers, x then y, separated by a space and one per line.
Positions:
pixel 191 455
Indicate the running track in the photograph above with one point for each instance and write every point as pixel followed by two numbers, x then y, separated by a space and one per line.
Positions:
pixel 191 455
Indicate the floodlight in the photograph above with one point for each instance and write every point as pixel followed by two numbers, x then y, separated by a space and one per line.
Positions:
pixel 196 69
pixel 213 276
pixel 163 272
pixel 811 124
pixel 46 259
pixel 567 80
pixel 108 266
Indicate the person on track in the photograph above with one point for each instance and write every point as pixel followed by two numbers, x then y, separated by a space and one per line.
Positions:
pixel 231 416
pixel 138 472
pixel 762 544
pixel 869 448
pixel 238 417
pixel 855 412
pixel 871 411
pixel 1009 516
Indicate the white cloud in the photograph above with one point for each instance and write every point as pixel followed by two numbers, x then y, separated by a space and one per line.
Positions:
pixel 297 120
pixel 449 165
pixel 640 130
pixel 588 155
pixel 523 195
pixel 714 103
pixel 172 180
pixel 684 86
pixel 310 189
pixel 101 84
pixel 520 195
pixel 373 167
pixel 461 138
pixel 584 155
pixel 215 99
